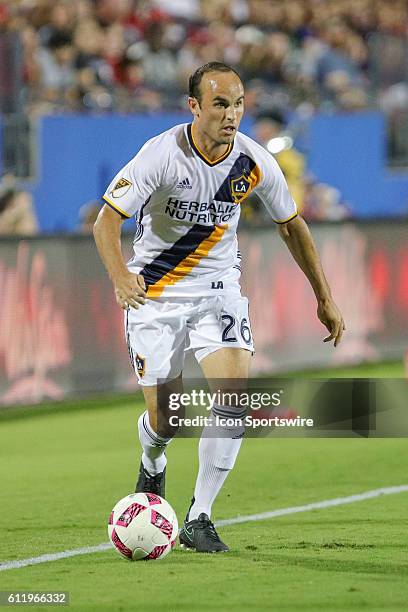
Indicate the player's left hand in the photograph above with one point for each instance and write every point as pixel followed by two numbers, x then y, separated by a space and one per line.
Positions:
pixel 330 315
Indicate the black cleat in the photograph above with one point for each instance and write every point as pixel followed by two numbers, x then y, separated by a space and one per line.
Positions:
pixel 151 484
pixel 200 535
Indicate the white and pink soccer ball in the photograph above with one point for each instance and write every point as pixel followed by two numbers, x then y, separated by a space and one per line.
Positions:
pixel 143 526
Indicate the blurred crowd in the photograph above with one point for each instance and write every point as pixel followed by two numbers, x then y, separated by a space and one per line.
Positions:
pixel 17 212
pixel 136 55
pixel 295 56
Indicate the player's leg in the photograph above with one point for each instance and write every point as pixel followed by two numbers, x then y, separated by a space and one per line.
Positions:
pixel 156 336
pixel 222 339
pixel 218 447
pixel 155 433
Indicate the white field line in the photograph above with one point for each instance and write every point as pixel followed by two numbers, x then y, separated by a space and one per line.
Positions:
pixel 328 503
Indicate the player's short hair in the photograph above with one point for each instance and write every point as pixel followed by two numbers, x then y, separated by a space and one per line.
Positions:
pixel 195 79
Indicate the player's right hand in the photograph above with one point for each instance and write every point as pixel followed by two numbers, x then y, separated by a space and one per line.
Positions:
pixel 130 290
pixel 330 315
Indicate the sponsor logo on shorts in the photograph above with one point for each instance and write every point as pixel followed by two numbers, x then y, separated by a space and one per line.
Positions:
pixel 121 188
pixel 140 365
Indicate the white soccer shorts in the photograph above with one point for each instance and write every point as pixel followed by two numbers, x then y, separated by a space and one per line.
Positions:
pixel 160 332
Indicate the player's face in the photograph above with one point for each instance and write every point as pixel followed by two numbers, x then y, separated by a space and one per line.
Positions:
pixel 220 110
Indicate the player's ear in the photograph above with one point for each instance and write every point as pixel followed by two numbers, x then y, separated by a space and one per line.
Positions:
pixel 194 106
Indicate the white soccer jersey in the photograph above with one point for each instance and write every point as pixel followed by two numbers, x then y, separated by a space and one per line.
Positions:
pixel 187 210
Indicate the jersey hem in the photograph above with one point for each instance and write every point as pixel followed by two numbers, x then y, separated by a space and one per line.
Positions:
pixel 116 208
pixel 286 220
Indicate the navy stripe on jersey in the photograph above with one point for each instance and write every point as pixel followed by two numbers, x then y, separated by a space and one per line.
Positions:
pixel 139 224
pixel 242 168
pixel 172 257
pixel 129 346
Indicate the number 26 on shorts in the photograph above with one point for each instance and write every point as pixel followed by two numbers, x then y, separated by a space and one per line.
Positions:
pixel 232 327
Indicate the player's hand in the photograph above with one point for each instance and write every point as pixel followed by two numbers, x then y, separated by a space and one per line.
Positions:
pixel 130 290
pixel 331 317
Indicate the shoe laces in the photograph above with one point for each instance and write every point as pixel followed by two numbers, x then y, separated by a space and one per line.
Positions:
pixel 209 529
pixel 153 480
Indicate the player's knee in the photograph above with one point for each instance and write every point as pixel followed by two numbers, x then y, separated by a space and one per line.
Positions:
pixel 227 363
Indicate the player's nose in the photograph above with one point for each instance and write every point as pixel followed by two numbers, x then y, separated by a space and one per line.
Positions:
pixel 231 114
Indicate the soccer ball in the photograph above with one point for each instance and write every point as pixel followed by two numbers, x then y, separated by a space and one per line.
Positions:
pixel 143 526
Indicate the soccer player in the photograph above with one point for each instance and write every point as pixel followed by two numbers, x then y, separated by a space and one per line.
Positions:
pixel 181 288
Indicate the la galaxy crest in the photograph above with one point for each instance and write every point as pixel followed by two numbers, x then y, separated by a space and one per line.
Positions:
pixel 121 188
pixel 240 187
pixel 140 363
pixel 243 177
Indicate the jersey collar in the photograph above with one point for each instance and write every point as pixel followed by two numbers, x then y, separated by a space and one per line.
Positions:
pixel 201 154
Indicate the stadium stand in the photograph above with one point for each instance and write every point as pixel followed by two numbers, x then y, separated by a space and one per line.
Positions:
pixel 96 55
pixel 297 58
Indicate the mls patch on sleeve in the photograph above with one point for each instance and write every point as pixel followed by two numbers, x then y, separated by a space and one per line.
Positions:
pixel 121 188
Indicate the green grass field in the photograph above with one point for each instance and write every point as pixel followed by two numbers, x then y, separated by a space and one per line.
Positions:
pixel 62 472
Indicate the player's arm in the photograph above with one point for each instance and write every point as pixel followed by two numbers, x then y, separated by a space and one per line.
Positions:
pixel 130 288
pixel 299 240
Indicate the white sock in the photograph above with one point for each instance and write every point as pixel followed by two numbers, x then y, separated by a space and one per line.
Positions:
pixel 154 446
pixel 218 449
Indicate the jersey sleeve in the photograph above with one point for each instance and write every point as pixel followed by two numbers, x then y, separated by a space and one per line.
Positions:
pixel 135 183
pixel 274 193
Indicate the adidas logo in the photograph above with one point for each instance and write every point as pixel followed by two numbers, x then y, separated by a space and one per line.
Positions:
pixel 184 184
